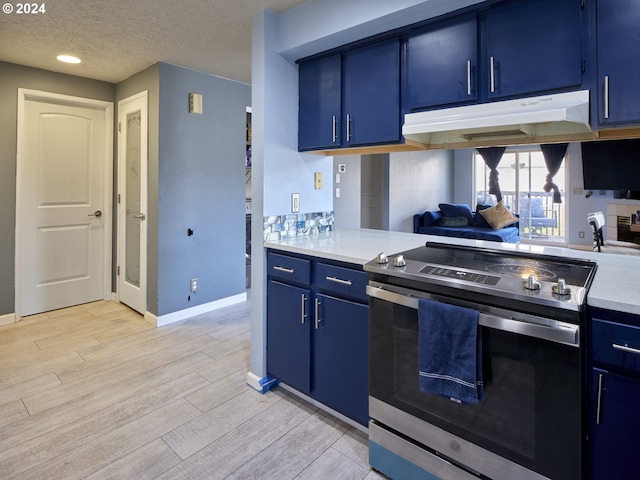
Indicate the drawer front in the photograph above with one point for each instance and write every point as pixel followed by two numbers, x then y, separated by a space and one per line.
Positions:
pixel 341 281
pixel 616 344
pixel 292 269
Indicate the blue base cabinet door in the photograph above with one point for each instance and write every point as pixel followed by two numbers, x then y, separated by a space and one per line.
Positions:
pixel 340 357
pixel 442 64
pixel 319 112
pixel 534 46
pixel 618 44
pixel 289 335
pixel 615 424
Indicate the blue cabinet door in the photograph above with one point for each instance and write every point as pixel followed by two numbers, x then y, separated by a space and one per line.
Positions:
pixel 442 64
pixel 340 360
pixel 533 46
pixel 371 89
pixel 618 44
pixel 615 422
pixel 288 335
pixel 320 87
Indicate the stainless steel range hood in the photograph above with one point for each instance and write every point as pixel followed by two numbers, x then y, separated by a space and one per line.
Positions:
pixel 529 120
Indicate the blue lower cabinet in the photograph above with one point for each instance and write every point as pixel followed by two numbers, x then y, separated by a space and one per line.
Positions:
pixel 317 342
pixel 615 421
pixel 340 361
pixel 288 335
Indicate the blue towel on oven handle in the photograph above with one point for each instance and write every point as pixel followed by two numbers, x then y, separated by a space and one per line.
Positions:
pixel 450 351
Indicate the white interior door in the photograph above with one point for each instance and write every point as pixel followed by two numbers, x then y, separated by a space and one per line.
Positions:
pixel 63 197
pixel 132 202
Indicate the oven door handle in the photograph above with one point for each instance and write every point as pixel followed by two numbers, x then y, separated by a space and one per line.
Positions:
pixel 551 330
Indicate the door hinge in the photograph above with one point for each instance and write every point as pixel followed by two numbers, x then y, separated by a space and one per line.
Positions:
pixel 582 4
pixel 119 126
pixel 118 270
pixel 584 66
pixel 118 198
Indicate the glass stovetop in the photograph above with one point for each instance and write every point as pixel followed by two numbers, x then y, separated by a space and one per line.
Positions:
pixel 497 263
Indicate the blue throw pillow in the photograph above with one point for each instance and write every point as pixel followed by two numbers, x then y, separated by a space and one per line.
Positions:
pixel 479 220
pixel 457 210
pixel 431 218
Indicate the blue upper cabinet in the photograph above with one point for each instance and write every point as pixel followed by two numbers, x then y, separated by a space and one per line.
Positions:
pixel 442 64
pixel 534 46
pixel 320 83
pixel 618 44
pixel 350 99
pixel 372 94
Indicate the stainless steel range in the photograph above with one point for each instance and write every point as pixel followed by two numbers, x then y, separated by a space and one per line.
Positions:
pixel 530 309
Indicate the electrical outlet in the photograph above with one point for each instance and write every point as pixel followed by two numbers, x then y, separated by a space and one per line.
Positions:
pixel 581 234
pixel 193 285
pixel 318 180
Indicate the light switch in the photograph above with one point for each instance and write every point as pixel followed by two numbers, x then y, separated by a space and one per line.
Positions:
pixel 318 180
pixel 295 202
pixel 195 103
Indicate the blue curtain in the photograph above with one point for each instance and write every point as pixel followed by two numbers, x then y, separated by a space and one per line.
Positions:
pixel 553 156
pixel 492 157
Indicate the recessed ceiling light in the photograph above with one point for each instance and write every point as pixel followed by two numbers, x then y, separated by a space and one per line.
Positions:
pixel 68 59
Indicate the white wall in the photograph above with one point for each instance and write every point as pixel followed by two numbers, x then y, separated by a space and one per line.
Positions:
pixel 418 181
pixel 346 208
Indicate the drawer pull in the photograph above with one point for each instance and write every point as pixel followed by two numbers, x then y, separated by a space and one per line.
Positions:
pixel 344 282
pixel 282 269
pixel 624 348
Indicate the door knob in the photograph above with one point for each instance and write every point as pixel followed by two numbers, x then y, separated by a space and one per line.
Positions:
pixel 141 216
pixel 97 213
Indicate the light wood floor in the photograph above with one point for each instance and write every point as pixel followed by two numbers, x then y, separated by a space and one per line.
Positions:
pixel 95 392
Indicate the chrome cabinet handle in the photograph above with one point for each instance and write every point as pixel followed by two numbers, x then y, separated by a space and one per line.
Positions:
pixel 337 280
pixel 468 77
pixel 348 127
pixel 282 269
pixel 599 405
pixel 624 348
pixel 335 131
pixel 140 216
pixel 606 96
pixel 493 76
pixel 97 213
pixel 303 315
pixel 317 309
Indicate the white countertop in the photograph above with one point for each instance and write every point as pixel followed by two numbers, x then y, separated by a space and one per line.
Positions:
pixel 616 285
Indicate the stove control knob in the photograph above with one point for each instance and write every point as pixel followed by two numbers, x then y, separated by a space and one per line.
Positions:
pixel 561 287
pixel 531 283
pixel 398 261
pixel 382 259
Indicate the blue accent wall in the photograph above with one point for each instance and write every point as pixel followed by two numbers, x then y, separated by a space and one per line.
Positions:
pixel 201 176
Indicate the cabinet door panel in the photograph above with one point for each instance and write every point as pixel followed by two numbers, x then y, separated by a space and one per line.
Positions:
pixel 618 46
pixel 288 335
pixel 340 359
pixel 536 45
pixel 442 64
pixel 614 433
pixel 320 103
pixel 372 94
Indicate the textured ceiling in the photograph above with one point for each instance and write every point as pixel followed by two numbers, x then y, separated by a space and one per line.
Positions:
pixel 117 38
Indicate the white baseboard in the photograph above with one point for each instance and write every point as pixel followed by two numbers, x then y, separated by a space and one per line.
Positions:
pixel 261 384
pixel 7 319
pixel 162 320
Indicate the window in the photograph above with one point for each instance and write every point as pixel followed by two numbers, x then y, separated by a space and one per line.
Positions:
pixel 522 174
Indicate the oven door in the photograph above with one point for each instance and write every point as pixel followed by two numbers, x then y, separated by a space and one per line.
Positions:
pixel 529 424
